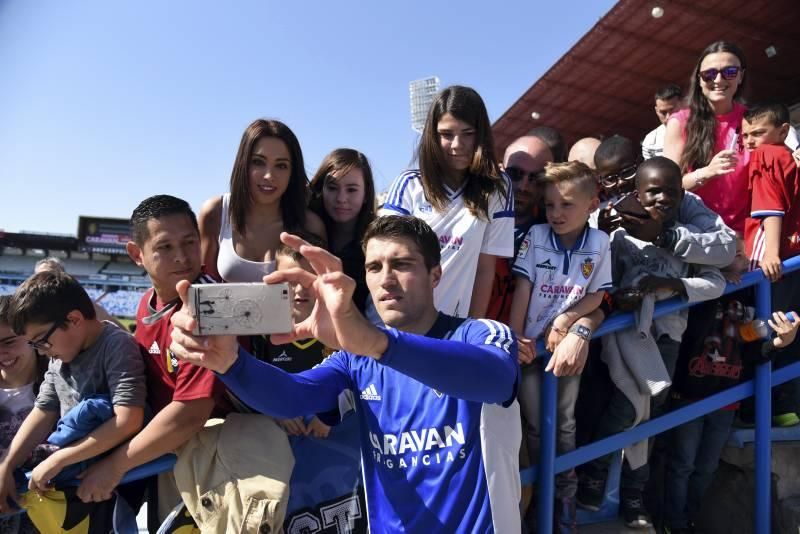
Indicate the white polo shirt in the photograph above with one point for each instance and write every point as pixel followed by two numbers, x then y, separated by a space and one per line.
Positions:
pixel 462 236
pixel 560 277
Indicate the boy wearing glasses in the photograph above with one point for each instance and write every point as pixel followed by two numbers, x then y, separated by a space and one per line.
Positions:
pixel 87 358
pixel 702 237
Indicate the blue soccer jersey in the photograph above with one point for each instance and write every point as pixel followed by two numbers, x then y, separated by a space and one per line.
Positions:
pixel 440 425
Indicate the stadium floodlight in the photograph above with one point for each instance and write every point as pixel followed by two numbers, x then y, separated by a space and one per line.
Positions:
pixel 422 94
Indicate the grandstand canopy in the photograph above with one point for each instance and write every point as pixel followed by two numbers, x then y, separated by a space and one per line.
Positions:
pixel 605 84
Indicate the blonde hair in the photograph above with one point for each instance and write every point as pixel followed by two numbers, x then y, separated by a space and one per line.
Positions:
pixel 574 172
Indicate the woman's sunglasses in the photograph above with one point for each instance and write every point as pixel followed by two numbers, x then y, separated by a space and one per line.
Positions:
pixel 729 73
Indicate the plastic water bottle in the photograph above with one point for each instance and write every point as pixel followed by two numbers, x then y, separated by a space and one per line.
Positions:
pixel 755 329
pixel 759 329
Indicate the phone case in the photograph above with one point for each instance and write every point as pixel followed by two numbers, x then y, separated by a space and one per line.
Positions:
pixel 241 309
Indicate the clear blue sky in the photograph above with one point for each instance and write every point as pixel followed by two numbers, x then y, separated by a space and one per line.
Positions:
pixel 105 103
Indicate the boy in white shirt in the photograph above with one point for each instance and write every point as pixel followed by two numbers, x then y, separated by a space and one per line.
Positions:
pixel 562 271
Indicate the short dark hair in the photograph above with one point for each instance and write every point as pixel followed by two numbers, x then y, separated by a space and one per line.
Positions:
pixel 553 139
pixel 659 162
pixel 415 230
pixel 48 297
pixel 776 113
pixel 669 91
pixel 289 252
pixel 5 304
pixel 615 147
pixel 156 207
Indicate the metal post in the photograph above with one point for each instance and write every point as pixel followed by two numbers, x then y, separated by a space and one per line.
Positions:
pixel 762 390
pixel 547 451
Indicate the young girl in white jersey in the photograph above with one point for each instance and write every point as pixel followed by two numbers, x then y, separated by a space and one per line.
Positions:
pixel 240 230
pixel 460 192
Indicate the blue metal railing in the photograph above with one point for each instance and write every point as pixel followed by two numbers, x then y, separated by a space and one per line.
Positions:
pixel 760 386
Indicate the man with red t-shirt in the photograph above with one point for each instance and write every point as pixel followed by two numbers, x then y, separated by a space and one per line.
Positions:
pixel 166 243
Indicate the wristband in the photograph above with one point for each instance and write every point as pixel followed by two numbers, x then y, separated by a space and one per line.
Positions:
pixel 583 332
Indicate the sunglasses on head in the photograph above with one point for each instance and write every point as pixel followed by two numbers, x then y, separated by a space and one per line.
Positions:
pixel 729 73
pixel 516 174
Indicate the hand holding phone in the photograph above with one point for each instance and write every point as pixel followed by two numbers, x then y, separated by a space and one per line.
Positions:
pixel 241 309
pixel 629 205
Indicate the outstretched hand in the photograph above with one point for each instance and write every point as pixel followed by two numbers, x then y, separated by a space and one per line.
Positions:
pixel 335 321
pixel 217 353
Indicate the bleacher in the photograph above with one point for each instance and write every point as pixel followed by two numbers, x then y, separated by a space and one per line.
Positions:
pixel 122 303
pixel 6 289
pixel 123 269
pixel 82 267
pixel 15 264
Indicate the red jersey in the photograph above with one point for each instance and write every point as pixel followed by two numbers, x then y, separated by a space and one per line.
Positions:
pixel 775 190
pixel 168 378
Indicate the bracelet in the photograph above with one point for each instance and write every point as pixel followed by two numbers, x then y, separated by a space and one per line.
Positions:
pixel 558 330
pixel 698 182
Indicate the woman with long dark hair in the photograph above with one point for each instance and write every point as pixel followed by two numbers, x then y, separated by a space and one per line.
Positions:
pixel 343 195
pixel 704 138
pixel 460 192
pixel 240 231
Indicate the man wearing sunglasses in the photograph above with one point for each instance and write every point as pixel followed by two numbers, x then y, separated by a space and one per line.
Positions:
pixel 524 160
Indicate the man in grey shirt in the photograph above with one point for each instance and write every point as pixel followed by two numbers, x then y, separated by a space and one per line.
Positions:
pixel 88 357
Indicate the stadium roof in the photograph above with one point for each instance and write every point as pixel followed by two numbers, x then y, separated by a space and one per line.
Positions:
pixel 605 84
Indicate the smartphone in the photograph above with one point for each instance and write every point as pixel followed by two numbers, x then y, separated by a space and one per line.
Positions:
pixel 629 205
pixel 241 309
pixel 733 141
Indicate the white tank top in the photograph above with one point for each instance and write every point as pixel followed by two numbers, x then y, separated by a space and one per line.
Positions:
pixel 232 267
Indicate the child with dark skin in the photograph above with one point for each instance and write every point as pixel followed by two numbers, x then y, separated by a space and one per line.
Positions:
pixel 615 160
pixel 660 194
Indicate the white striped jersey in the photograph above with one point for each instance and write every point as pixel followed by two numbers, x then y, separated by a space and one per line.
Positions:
pixel 561 277
pixel 462 236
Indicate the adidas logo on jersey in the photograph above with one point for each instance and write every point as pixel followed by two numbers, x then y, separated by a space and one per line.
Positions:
pixel 371 393
pixel 154 349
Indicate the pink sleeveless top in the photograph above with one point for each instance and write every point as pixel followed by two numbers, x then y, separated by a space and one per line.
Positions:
pixel 726 195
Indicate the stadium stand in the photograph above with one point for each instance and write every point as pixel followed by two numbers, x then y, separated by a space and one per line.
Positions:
pixel 122 303
pixel 125 269
pixel 17 264
pixel 6 289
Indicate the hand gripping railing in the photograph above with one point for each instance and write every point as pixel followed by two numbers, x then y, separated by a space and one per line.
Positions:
pixel 550 464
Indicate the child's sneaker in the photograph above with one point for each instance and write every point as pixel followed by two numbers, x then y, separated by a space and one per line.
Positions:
pixel 590 493
pixel 785 419
pixel 633 511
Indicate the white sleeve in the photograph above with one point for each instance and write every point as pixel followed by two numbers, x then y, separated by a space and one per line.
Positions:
pixel 525 262
pixel 498 239
pixel 601 279
pixel 400 200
